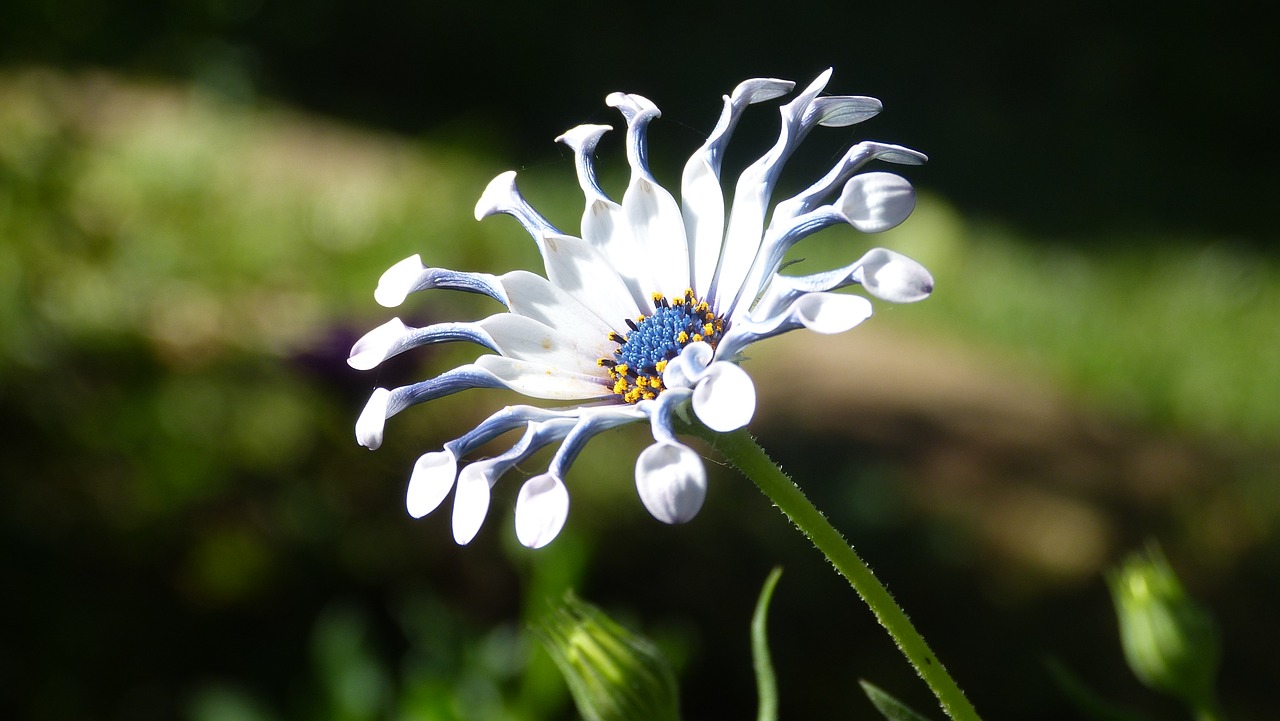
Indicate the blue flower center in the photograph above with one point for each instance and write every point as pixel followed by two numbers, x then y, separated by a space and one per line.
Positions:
pixel 635 371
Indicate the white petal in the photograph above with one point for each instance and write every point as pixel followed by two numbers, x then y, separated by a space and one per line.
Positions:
pixel 875 202
pixel 373 419
pixel 531 295
pixel 579 269
pixel 541 510
pixel 725 398
pixel 652 215
pixel 654 220
pixel 829 313
pixel 398 281
pixel 522 338
pixel 686 369
pixel 750 205
pixel 838 111
pixel 893 277
pixel 671 481
pixel 604 225
pixel 502 196
pixel 432 479
pixel 703 212
pixel 470 504
pixel 701 197
pixel 376 345
pixel 542 381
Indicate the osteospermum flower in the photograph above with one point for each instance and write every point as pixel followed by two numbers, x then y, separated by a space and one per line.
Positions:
pixel 647 313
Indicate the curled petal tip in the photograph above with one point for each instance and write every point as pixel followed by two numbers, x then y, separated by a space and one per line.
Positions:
pixel 376 345
pixel 497 196
pixel 541 510
pixel 583 136
pixel 470 504
pixel 632 105
pixel 686 369
pixel 432 479
pixel 725 398
pixel 372 419
pixel 758 90
pixel 875 202
pixel 894 277
pixel 398 281
pixel 672 482
pixel 830 313
pixel 844 110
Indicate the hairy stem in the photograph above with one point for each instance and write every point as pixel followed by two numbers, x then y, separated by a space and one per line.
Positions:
pixel 744 453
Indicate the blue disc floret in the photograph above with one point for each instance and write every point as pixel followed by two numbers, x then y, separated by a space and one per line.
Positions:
pixel 636 368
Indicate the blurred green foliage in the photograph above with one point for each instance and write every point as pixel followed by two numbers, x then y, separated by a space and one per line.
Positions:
pixel 193 531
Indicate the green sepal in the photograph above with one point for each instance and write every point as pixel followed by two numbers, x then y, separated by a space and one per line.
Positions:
pixel 612 673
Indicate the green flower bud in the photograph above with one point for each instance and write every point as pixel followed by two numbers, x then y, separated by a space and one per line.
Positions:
pixel 1169 640
pixel 613 674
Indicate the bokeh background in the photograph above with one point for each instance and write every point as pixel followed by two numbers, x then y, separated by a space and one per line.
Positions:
pixel 197 198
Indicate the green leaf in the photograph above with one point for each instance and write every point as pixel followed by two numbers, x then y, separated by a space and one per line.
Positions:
pixel 766 682
pixel 888 706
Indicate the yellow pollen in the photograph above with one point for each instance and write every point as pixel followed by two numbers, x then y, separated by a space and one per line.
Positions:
pixel 636 379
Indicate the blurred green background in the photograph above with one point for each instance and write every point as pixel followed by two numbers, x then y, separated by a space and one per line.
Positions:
pixel 196 201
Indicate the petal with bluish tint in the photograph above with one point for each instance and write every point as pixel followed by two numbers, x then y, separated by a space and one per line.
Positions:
pixel 701 196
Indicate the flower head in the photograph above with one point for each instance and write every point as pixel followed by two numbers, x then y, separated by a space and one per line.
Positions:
pixel 647 312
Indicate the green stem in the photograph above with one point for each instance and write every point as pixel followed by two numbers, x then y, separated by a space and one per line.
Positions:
pixel 747 455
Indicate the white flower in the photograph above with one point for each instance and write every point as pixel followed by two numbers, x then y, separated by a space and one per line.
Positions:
pixel 647 313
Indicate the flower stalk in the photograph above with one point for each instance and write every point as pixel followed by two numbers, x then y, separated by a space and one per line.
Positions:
pixel 748 457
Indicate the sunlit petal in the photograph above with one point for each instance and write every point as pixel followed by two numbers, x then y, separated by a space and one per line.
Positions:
pixel 541 510
pixel 672 482
pixel 432 479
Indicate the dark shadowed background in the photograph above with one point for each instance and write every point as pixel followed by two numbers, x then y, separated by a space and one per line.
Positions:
pixel 196 200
